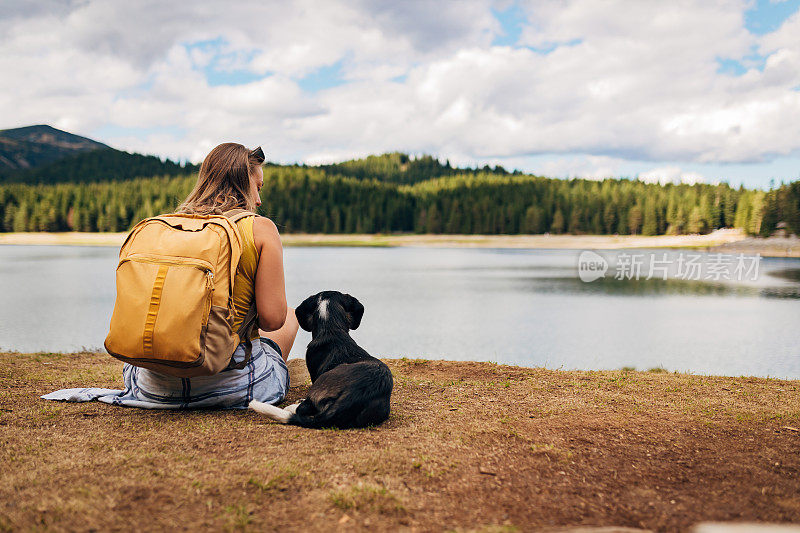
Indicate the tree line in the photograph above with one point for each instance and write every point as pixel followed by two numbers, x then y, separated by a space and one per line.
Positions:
pixel 98 165
pixel 313 200
pixel 782 205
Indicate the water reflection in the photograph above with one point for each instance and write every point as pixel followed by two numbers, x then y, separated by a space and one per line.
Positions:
pixel 558 272
pixel 790 274
pixel 648 287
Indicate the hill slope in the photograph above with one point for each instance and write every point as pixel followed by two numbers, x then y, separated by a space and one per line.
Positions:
pixel 400 168
pixel 43 154
pixel 34 146
pixel 100 165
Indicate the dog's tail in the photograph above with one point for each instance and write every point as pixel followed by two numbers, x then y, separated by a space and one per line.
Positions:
pixel 275 413
pixel 285 416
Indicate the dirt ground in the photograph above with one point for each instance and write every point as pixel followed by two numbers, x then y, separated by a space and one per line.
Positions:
pixel 468 447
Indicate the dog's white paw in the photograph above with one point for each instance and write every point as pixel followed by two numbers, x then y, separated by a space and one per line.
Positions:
pixel 292 408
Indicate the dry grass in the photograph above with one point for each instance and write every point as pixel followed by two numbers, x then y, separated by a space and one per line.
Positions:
pixel 468 446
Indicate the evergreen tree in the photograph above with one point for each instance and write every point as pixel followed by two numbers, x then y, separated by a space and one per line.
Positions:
pixel 650 224
pixel 557 225
pixel 635 219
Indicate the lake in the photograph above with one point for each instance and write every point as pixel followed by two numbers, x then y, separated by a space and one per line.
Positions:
pixel 523 307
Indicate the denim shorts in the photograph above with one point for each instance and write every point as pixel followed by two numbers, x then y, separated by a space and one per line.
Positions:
pixel 265 378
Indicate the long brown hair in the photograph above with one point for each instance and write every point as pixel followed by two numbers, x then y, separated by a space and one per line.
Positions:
pixel 223 182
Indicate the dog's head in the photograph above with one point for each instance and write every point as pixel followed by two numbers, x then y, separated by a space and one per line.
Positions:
pixel 331 308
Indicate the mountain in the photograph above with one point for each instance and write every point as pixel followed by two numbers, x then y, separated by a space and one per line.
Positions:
pixel 43 154
pixel 34 146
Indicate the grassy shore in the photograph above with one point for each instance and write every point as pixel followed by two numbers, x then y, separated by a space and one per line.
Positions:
pixel 463 241
pixel 468 446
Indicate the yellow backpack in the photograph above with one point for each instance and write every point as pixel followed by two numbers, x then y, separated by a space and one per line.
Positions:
pixel 174 307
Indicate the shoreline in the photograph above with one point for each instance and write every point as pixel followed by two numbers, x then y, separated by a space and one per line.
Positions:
pixel 295 359
pixel 724 241
pixel 576 242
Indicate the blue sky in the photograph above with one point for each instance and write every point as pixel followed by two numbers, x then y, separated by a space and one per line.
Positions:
pixel 689 92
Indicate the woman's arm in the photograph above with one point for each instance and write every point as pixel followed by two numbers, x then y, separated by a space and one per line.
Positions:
pixel 270 290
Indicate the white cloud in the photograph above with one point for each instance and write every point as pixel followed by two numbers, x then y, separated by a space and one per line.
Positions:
pixel 671 175
pixel 629 81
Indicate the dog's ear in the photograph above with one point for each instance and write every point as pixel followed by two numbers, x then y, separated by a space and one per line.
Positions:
pixel 353 308
pixel 305 313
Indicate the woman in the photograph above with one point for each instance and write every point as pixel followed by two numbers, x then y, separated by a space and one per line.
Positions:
pixel 230 178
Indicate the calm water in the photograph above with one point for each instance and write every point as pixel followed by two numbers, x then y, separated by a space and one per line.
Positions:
pixel 525 307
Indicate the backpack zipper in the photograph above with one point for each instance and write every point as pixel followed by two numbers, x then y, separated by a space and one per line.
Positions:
pixel 168 260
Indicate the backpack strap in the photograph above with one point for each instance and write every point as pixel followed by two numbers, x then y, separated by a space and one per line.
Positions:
pixel 235 215
pixel 250 319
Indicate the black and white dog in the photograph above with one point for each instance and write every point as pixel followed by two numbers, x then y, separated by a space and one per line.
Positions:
pixel 349 387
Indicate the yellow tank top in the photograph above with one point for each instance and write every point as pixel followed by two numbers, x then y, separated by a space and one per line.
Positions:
pixel 245 280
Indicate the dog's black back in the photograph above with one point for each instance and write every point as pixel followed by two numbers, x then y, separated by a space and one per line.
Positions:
pixel 349 387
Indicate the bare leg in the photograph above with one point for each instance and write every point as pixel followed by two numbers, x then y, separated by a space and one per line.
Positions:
pixel 284 337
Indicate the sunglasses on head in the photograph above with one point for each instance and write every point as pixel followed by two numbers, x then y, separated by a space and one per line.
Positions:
pixel 258 154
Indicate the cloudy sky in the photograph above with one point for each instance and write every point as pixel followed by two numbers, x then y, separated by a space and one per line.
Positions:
pixel 679 90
